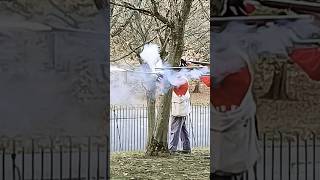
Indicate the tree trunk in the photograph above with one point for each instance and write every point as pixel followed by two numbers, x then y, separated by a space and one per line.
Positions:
pixel 278 88
pixel 216 7
pixel 159 141
pixel 197 88
pixel 151 105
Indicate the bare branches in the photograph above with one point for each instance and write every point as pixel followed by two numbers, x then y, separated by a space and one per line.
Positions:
pixel 190 23
pixel 154 13
pixel 132 7
pixel 132 51
pixel 122 27
pixel 159 16
pixel 204 10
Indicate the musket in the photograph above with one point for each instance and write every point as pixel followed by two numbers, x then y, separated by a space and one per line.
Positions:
pixel 133 71
pixel 294 5
pixel 307 41
pixel 187 67
pixel 156 72
pixel 201 63
pixel 256 19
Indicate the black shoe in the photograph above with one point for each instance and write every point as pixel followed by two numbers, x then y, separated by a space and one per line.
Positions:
pixel 185 151
pixel 172 152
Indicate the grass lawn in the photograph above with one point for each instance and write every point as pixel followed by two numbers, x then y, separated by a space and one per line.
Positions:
pixel 135 165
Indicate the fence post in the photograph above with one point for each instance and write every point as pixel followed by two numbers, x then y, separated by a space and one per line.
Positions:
pixel 107 159
pixel 79 162
pixel 51 158
pixel 298 137
pixel 289 154
pixel 70 158
pixel 314 155
pixel 98 162
pixel 42 163
pixel 272 165
pixel 264 156
pixel 3 163
pixel 61 162
pixel 22 163
pixel 89 156
pixel 32 159
pixel 306 158
pixel 13 156
pixel 280 155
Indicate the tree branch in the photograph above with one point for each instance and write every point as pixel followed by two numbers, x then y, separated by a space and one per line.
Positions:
pixel 204 10
pixel 153 13
pixel 186 7
pixel 122 27
pixel 159 16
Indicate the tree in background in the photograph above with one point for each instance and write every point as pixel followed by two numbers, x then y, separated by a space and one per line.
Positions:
pixel 178 26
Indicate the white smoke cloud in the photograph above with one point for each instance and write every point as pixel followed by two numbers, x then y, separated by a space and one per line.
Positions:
pixel 240 42
pixel 133 89
pixel 114 68
pixel 125 88
pixel 151 56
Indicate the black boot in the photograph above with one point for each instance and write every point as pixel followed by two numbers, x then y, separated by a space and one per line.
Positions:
pixel 218 177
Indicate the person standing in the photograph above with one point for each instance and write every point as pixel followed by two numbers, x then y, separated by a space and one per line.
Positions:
pixel 234 140
pixel 180 110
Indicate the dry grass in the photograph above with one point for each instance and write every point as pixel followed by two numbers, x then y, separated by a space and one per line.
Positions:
pixel 135 165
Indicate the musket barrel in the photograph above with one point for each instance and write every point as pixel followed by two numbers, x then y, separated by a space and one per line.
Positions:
pixel 188 67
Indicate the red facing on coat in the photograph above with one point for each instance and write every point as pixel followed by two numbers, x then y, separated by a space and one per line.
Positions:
pixel 205 80
pixel 182 89
pixel 308 59
pixel 232 89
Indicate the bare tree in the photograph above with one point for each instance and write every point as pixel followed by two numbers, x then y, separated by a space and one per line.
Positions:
pixel 278 87
pixel 164 22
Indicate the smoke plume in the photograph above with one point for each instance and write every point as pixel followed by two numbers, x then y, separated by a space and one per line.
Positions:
pixel 152 76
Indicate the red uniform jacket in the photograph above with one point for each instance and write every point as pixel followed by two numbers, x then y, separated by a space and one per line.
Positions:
pixel 233 88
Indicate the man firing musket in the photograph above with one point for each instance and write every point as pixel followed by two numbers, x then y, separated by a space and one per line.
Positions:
pixel 180 111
